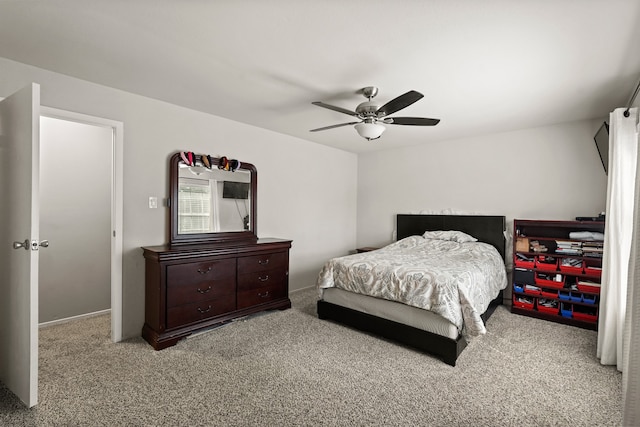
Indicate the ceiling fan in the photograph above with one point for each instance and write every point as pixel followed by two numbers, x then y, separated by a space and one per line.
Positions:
pixel 373 117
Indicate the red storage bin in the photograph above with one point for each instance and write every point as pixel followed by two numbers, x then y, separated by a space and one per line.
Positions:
pixel 593 271
pixel 548 293
pixel 531 290
pixel 546 263
pixel 550 310
pixel 584 316
pixel 585 313
pixel 584 287
pixel 544 305
pixel 571 270
pixel 545 282
pixel 523 264
pixel 523 302
pixel 566 266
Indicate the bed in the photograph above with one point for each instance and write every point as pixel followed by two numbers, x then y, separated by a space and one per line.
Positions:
pixel 352 291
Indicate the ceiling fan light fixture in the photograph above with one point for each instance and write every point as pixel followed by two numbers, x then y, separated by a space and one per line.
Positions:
pixel 369 131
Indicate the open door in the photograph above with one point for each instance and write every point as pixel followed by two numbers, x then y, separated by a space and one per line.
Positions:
pixel 19 242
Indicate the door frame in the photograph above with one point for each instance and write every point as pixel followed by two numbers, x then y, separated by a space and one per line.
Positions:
pixel 116 205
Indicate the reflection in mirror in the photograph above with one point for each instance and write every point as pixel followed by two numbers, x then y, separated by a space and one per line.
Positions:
pixel 211 205
pixel 213 200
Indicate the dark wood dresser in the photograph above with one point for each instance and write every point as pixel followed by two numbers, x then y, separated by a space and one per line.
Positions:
pixel 195 287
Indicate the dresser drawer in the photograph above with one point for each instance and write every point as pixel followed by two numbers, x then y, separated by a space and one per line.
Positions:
pixel 261 279
pixel 197 311
pixel 255 296
pixel 196 273
pixel 262 262
pixel 180 294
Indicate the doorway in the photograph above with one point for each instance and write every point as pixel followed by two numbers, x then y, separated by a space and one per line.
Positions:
pixel 81 215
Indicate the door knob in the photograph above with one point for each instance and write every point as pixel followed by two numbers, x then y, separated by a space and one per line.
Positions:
pixel 33 245
pixel 26 245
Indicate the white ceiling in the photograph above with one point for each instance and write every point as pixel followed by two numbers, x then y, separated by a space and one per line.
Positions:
pixel 484 66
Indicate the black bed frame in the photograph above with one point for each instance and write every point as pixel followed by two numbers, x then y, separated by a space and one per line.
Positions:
pixel 488 229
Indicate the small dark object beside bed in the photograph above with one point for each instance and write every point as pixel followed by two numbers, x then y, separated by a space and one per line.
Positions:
pixel 488 229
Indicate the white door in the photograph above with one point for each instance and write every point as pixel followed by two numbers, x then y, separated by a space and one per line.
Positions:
pixel 19 242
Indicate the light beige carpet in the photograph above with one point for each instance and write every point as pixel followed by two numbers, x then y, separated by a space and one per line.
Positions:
pixel 288 368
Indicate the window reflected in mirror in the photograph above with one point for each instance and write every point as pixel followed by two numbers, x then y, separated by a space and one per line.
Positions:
pixel 195 206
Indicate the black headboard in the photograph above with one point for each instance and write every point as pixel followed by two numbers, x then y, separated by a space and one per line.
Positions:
pixel 485 228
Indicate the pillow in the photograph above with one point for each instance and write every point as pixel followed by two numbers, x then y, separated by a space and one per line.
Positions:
pixel 452 235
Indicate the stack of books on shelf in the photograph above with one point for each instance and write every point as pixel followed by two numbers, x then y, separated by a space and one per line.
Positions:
pixel 568 247
pixel 593 249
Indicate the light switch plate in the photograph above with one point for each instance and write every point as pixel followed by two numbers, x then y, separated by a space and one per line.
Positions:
pixel 153 202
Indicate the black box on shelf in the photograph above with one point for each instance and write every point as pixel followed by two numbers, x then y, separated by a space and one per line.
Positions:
pixel 524 276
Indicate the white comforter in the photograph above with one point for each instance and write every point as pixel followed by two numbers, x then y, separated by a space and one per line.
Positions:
pixel 455 280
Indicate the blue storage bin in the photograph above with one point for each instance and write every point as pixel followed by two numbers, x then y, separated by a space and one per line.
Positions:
pixel 589 299
pixel 575 296
pixel 565 310
pixel 518 288
pixel 564 295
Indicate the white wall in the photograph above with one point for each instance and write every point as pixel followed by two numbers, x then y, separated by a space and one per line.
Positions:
pixel 300 197
pixel 543 173
pixel 75 216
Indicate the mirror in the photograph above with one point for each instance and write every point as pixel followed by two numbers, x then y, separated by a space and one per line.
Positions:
pixel 211 205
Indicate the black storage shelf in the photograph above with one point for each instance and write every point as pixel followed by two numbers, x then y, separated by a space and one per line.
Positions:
pixel 555 318
pixel 577 311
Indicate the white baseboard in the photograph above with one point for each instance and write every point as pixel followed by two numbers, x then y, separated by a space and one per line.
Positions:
pixel 72 318
pixel 301 289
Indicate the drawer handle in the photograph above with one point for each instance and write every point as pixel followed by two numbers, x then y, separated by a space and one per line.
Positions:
pixel 263 279
pixel 265 295
pixel 263 261
pixel 205 290
pixel 204 271
pixel 204 311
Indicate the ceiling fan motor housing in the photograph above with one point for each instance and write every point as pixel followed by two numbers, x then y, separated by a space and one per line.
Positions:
pixel 367 109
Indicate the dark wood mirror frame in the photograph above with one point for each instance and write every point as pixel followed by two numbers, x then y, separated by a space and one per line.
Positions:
pixel 233 237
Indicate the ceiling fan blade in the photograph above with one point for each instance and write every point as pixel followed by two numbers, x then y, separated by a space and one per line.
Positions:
pixel 334 126
pixel 411 121
pixel 334 108
pixel 399 103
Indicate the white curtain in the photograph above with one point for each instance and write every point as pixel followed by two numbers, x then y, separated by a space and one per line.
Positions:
pixel 631 336
pixel 618 340
pixel 623 148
